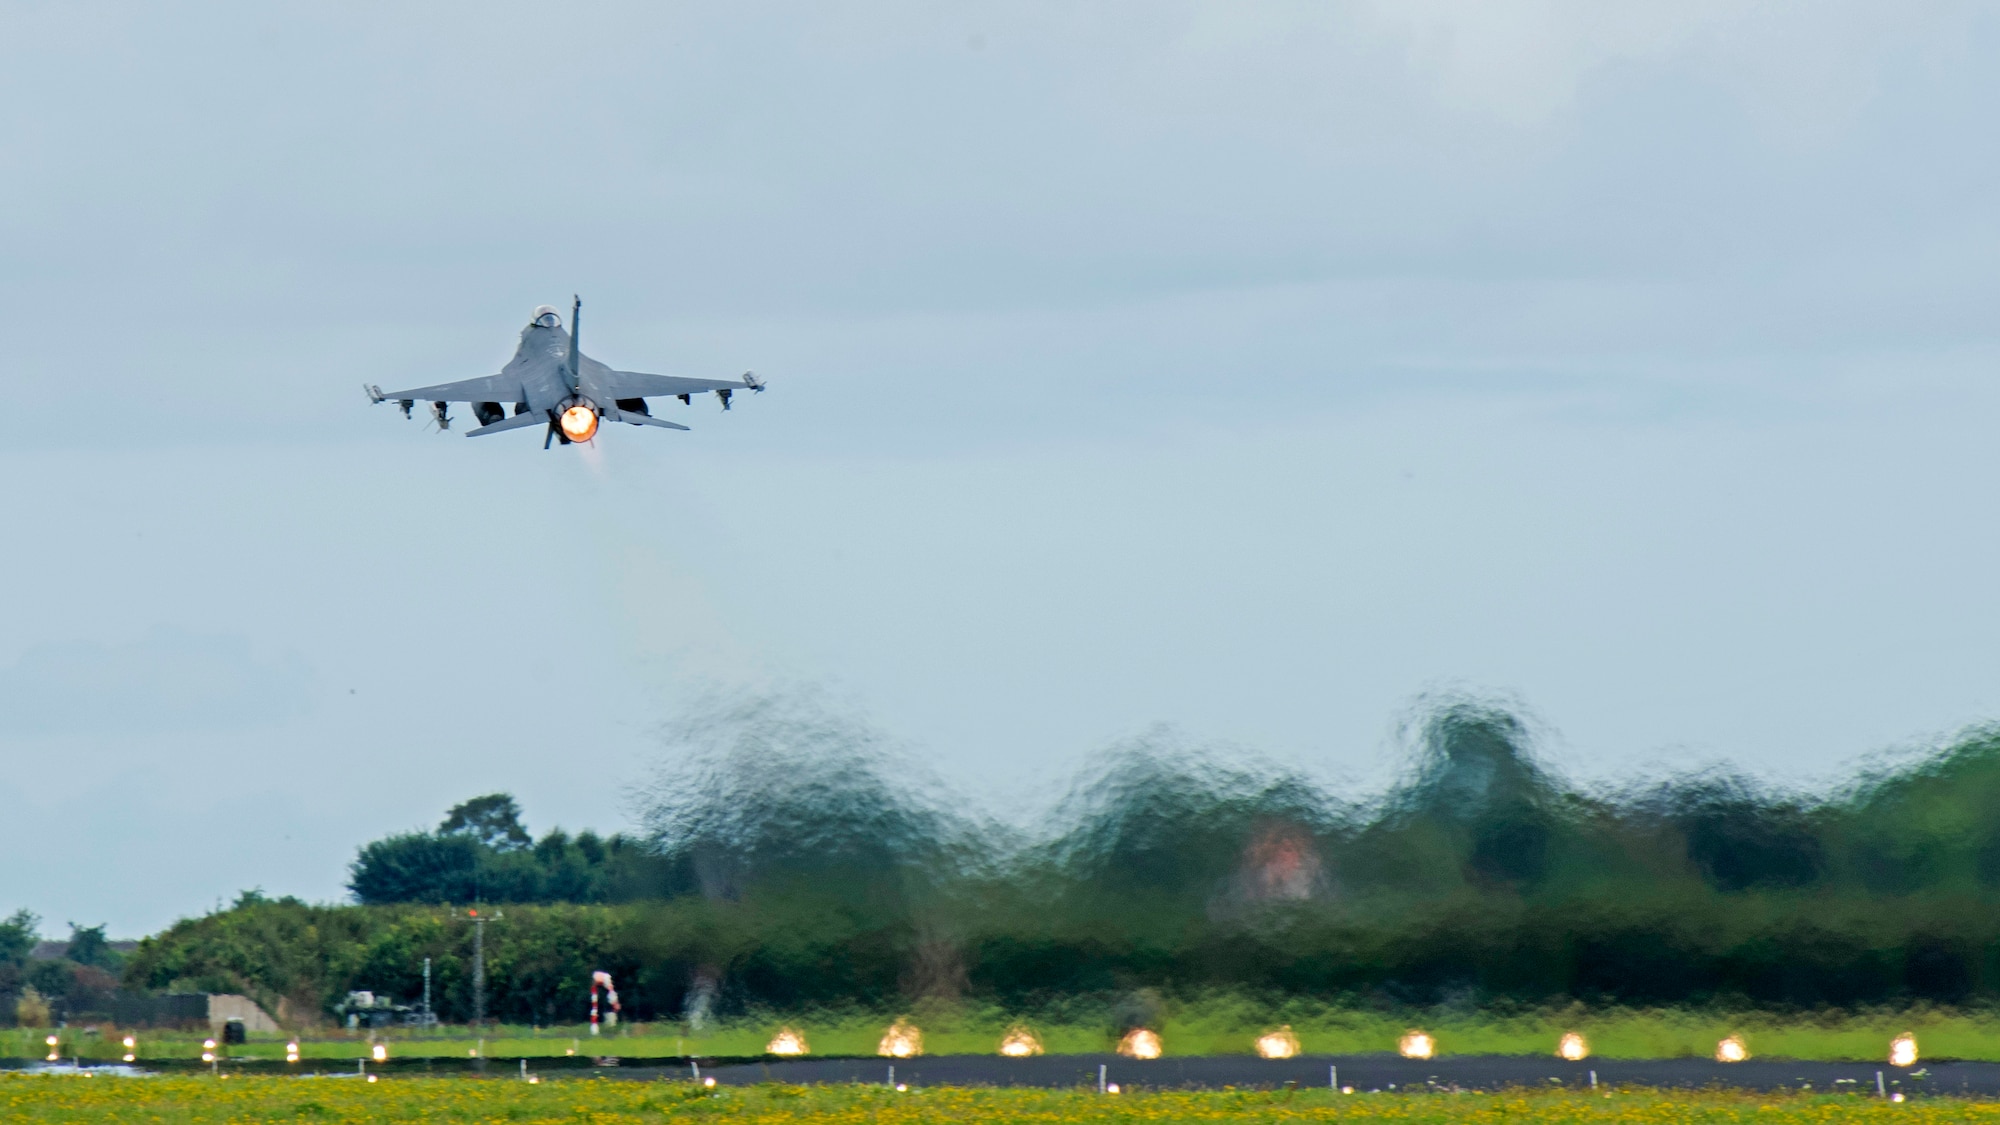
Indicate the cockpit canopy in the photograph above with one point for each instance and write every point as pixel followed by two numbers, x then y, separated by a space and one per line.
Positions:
pixel 547 316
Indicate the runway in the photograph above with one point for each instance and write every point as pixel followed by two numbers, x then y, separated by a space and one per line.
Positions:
pixel 1363 1074
pixel 1367 1073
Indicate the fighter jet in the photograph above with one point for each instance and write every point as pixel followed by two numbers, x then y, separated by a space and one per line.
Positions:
pixel 552 383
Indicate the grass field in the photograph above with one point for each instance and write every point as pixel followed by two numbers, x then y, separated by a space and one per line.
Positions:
pixel 198 1101
pixel 1207 1028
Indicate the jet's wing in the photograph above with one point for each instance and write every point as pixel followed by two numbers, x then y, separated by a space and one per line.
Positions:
pixel 492 388
pixel 635 384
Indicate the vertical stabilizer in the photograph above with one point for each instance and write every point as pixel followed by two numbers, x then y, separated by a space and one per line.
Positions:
pixel 575 312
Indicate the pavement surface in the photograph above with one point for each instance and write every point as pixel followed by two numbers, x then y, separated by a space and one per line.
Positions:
pixel 1369 1073
pixel 1360 1073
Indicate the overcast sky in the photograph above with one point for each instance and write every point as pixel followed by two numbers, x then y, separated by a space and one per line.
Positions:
pixel 1255 369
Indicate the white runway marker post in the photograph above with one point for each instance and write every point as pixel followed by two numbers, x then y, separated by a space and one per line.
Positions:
pixel 1100 1077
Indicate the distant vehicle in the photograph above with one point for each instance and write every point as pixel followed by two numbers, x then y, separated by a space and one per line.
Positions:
pixel 551 383
pixel 366 1010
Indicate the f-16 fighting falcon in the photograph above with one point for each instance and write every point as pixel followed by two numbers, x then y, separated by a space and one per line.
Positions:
pixel 551 382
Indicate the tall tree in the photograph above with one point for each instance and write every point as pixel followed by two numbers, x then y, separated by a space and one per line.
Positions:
pixel 88 947
pixel 493 820
pixel 18 936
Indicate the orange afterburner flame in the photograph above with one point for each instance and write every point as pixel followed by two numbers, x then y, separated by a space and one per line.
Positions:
pixel 1416 1045
pixel 1903 1050
pixel 787 1042
pixel 1573 1047
pixel 1020 1043
pixel 1140 1043
pixel 579 423
pixel 1279 1044
pixel 1732 1049
pixel 901 1041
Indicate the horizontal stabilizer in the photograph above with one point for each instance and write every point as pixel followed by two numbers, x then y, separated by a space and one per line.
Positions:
pixel 516 422
pixel 649 420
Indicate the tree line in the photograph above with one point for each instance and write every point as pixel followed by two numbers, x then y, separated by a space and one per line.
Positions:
pixel 787 861
pixel 482 852
pixel 82 973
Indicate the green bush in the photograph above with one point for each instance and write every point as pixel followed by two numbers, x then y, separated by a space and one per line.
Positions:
pixel 787 860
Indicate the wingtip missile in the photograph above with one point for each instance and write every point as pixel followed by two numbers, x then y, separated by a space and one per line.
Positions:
pixel 373 392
